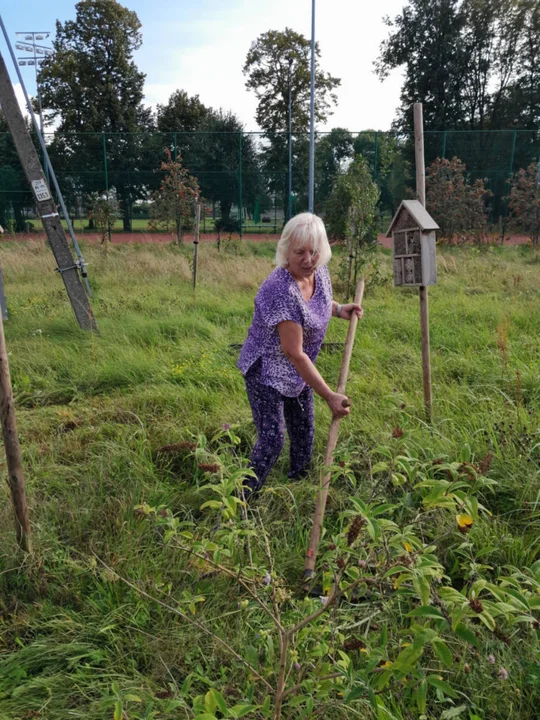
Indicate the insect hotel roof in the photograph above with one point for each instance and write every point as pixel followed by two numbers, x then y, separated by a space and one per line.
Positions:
pixel 415 211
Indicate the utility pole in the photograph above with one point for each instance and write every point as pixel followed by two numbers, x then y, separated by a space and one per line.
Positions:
pixel 67 267
pixel 289 202
pixel 311 194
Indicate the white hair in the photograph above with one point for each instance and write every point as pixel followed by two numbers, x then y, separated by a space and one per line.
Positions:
pixel 301 231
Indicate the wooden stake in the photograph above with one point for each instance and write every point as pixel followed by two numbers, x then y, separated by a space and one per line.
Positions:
pixel 46 207
pixel 423 291
pixel 196 242
pixel 13 450
pixel 320 505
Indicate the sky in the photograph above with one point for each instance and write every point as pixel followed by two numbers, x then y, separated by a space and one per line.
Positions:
pixel 200 46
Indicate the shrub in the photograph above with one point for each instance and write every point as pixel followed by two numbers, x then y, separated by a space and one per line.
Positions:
pixel 525 201
pixel 458 206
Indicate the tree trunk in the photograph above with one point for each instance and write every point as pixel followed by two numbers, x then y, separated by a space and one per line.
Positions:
pixel 226 211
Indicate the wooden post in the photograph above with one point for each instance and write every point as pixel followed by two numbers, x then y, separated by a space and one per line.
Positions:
pixel 424 299
pixel 320 505
pixel 47 210
pixel 196 242
pixel 13 450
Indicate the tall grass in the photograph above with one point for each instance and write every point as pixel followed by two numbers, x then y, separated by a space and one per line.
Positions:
pixel 94 410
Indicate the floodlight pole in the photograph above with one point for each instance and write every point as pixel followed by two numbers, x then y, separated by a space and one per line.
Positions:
pixel 289 203
pixel 423 291
pixel 312 116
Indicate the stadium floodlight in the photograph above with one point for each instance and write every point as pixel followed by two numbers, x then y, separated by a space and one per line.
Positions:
pixel 34 61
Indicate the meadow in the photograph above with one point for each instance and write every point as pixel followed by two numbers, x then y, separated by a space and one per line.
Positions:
pixel 150 592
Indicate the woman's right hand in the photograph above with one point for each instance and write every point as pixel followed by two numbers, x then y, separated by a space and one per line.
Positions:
pixel 335 403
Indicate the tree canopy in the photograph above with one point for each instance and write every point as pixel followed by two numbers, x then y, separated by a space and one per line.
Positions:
pixel 273 58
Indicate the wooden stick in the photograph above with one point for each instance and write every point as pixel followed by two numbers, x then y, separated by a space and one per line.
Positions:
pixel 13 450
pixel 196 242
pixel 423 291
pixel 320 506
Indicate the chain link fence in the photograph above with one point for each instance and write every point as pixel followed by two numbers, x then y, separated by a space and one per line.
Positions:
pixel 244 176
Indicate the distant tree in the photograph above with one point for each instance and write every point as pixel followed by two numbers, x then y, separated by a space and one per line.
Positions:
pixel 182 113
pixel 105 211
pixel 267 71
pixel 15 194
pixel 91 85
pixel 333 152
pixel 351 214
pixel 524 203
pixel 174 203
pixel 457 205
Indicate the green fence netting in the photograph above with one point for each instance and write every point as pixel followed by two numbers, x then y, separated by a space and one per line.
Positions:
pixel 244 176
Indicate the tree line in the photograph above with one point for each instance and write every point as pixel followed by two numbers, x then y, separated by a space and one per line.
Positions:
pixel 472 63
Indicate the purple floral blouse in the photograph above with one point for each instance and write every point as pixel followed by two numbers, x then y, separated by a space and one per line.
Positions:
pixel 279 298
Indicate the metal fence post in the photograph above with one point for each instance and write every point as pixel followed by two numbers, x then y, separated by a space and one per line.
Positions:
pixel 375 158
pixel 105 169
pixel 240 200
pixel 175 151
pixel 443 152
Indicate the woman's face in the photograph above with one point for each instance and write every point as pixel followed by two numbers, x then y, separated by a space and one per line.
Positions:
pixel 302 261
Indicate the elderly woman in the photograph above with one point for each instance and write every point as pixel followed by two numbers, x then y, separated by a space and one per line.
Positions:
pixel 292 311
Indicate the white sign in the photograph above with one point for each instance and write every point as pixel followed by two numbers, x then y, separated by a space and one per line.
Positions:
pixel 41 191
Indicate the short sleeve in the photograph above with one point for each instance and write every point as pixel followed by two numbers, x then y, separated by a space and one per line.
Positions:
pixel 277 304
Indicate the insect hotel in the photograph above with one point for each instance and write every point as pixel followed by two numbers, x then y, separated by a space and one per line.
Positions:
pixel 413 245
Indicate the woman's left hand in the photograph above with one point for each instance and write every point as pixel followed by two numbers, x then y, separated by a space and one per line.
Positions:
pixel 348 310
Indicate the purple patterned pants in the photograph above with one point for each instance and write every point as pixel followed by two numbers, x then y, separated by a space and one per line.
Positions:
pixel 272 413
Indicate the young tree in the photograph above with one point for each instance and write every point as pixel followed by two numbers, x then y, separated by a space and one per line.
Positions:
pixel 91 85
pixel 457 205
pixel 105 211
pixel 268 72
pixel 174 203
pixel 351 215
pixel 524 203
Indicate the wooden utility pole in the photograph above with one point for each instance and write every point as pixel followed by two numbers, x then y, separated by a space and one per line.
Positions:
pixel 196 242
pixel 320 503
pixel 424 300
pixel 13 450
pixel 67 266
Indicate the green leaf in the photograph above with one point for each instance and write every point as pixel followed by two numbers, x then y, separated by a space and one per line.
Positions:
pixel 421 696
pixel 219 700
pixel 441 685
pixel 118 710
pixel 465 634
pixel 422 588
pixel 132 698
pixel 427 611
pixel 210 703
pixel 487 619
pixel 442 651
pixel 357 692
pixel 453 712
pixel 205 716
pixel 238 711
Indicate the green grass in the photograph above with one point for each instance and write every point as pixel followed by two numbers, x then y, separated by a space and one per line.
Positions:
pixel 80 226
pixel 93 410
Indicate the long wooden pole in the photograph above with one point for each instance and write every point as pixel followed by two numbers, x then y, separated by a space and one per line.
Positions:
pixel 196 242
pixel 13 450
pixel 320 506
pixel 423 291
